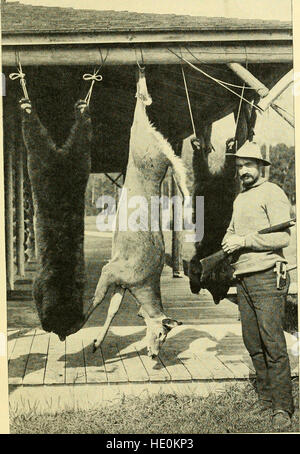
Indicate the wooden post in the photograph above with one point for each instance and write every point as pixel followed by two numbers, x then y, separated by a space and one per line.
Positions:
pixel 30 250
pixel 8 184
pixel 93 190
pixel 19 193
pixel 177 263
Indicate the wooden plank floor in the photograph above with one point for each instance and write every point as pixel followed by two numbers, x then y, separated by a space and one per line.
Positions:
pixel 208 347
pixel 191 353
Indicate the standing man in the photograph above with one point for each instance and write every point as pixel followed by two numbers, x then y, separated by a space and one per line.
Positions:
pixel 262 281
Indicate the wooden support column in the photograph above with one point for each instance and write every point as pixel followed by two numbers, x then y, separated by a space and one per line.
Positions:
pixel 9 150
pixel 30 250
pixel 177 263
pixel 93 190
pixel 19 194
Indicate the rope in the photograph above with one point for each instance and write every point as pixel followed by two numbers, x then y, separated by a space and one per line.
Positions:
pixel 103 60
pixel 219 80
pixel 215 80
pixel 237 119
pixel 188 100
pixel 20 75
pixel 94 78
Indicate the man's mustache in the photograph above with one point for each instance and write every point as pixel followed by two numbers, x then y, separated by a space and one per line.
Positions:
pixel 246 176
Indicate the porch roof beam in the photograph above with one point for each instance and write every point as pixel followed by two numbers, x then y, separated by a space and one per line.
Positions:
pixel 126 55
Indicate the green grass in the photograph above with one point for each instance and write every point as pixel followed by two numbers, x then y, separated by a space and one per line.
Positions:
pixel 227 412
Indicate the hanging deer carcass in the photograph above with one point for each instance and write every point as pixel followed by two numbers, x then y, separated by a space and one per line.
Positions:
pixel 138 256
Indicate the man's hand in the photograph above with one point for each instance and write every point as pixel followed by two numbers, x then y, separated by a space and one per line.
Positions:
pixel 233 243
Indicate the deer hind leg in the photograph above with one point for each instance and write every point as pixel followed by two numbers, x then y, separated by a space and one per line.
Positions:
pixel 114 306
pixel 107 278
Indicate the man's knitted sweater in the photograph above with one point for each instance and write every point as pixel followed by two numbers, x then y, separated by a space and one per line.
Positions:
pixel 263 205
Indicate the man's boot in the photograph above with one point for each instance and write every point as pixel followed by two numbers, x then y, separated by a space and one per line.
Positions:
pixel 281 420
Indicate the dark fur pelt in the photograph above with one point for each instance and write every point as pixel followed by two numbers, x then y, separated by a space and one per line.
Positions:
pixel 58 177
pixel 219 191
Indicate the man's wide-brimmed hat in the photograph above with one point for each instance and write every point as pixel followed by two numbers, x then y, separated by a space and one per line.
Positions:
pixel 250 150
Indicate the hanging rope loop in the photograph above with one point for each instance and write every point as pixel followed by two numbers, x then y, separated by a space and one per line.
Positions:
pixel 20 75
pixel 95 77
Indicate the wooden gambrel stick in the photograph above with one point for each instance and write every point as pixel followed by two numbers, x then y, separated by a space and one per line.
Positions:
pixel 244 74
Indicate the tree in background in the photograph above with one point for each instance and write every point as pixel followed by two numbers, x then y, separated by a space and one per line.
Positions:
pixel 282 170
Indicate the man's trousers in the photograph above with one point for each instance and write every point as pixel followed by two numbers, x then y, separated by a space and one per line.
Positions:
pixel 261 307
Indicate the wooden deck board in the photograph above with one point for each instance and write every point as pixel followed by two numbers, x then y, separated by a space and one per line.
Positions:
pixel 134 367
pixel 196 367
pixel 217 370
pixel 10 347
pixel 94 363
pixel 115 370
pixel 248 363
pixel 37 359
pixel 235 365
pixel 75 365
pixel 55 367
pixel 174 365
pixel 18 359
pixel 155 369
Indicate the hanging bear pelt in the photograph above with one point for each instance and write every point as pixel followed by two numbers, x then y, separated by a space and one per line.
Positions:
pixel 58 177
pixel 219 191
